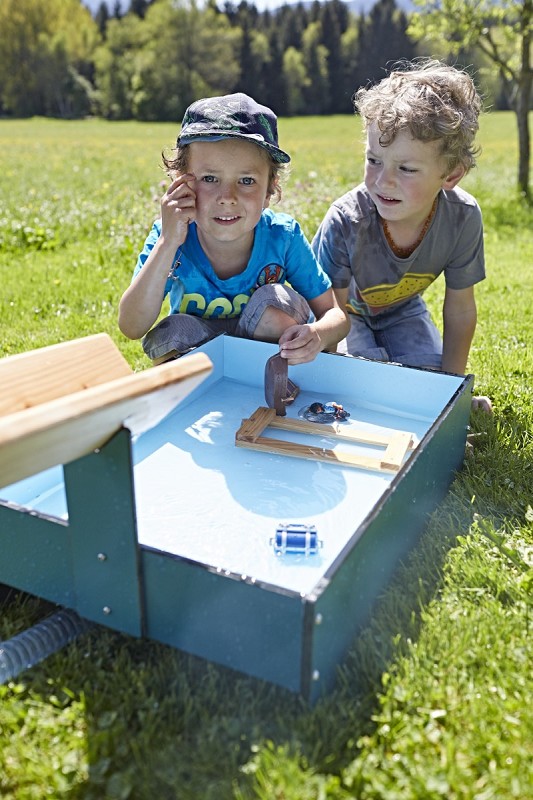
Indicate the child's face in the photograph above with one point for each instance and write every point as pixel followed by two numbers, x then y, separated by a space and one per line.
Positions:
pixel 404 177
pixel 232 189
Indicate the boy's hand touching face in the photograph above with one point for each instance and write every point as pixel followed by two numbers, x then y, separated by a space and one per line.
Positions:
pixel 178 208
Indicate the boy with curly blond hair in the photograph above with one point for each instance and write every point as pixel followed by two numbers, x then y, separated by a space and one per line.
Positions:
pixel 385 241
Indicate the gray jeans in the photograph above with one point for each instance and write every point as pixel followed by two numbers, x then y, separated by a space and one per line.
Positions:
pixel 405 334
pixel 179 333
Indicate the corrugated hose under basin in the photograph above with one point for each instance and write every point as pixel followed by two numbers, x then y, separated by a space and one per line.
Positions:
pixel 38 642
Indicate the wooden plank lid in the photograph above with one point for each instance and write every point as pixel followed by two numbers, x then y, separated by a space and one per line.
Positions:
pixel 62 402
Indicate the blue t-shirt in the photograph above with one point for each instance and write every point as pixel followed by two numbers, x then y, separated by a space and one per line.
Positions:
pixel 280 254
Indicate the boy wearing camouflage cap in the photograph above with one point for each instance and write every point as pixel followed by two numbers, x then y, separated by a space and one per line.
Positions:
pixel 228 263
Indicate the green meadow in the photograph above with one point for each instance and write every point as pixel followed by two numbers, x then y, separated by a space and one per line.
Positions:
pixel 433 702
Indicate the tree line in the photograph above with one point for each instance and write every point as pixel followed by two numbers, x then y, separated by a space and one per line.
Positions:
pixel 151 62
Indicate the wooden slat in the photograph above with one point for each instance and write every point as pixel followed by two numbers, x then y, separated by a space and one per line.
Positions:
pixel 60 430
pixel 254 426
pixel 283 448
pixel 38 376
pixel 398 446
pixel 346 432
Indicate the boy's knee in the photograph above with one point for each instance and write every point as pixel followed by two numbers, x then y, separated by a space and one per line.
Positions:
pixel 270 310
pixel 176 334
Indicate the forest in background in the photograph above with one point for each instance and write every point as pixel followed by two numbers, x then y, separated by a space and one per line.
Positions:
pixel 150 60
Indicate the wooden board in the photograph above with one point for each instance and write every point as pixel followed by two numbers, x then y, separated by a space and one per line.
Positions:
pixel 396 443
pixel 29 379
pixel 63 421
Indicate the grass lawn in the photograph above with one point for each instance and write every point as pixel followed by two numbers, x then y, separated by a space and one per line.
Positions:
pixel 433 700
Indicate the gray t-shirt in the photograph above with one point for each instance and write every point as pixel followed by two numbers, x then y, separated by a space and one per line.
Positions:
pixel 351 246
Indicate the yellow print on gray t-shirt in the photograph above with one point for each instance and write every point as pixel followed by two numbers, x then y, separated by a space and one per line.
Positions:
pixel 379 297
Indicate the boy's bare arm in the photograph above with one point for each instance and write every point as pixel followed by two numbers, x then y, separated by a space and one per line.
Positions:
pixel 341 296
pixel 459 319
pixel 141 302
pixel 332 323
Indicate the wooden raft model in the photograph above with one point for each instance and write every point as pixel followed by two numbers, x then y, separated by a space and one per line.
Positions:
pixel 396 443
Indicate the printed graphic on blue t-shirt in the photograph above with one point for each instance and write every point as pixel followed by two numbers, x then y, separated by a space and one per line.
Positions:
pixel 272 273
pixel 280 254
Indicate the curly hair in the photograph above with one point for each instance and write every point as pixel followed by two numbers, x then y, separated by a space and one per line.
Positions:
pixel 431 100
pixel 179 162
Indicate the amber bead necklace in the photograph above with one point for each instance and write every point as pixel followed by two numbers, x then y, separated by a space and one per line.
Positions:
pixel 405 252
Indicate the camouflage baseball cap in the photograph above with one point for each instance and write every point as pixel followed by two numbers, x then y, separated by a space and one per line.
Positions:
pixel 232 116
